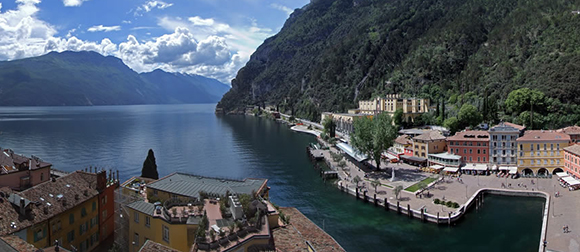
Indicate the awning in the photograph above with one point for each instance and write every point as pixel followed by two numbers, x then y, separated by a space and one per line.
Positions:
pixel 389 155
pixel 475 167
pixel 436 167
pixel 513 170
pixel 507 168
pixel 451 169
pixel 571 181
pixel 562 174
pixel 494 167
pixel 351 152
pixel 414 159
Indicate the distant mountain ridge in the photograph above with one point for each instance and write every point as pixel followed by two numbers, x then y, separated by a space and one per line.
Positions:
pixel 88 78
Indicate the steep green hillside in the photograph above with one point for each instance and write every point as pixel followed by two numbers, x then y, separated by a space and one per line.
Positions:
pixel 88 78
pixel 331 53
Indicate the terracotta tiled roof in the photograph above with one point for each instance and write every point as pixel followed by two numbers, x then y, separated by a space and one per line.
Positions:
pixel 404 140
pixel 520 127
pixel 574 149
pixel 431 135
pixel 544 135
pixel 46 200
pixel 572 130
pixel 9 159
pixel 14 243
pixel 151 246
pixel 470 135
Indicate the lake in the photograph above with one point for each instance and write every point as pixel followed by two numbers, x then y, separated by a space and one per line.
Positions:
pixel 191 138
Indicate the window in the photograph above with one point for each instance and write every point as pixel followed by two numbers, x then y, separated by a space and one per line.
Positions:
pixel 456 150
pixel 478 144
pixel 552 161
pixel 521 162
pixel 39 234
pixel 104 200
pixel 503 152
pixel 42 177
pixel 545 147
pixel 551 146
pixel 451 150
pixel 104 215
pixel 147 221
pixel 94 221
pixel 538 146
pixel 478 159
pixel 557 146
pixel 545 161
pixel 470 159
pixel 83 212
pixel 531 147
pixel 521 147
pixel 557 161
pixel 478 151
pixel 94 206
pixel 136 217
pixel 483 151
pixel 484 159
pixel 83 228
pixel 155 192
pixel 464 151
pixel 165 233
pixel 71 219
pixel 70 236
pixel 136 239
pixel 56 226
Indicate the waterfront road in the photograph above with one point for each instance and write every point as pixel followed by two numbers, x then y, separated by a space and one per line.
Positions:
pixel 563 211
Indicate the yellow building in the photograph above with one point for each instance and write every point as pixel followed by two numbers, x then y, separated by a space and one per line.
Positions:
pixel 411 107
pixel 64 209
pixel 541 152
pixel 169 212
pixel 427 143
pixel 344 121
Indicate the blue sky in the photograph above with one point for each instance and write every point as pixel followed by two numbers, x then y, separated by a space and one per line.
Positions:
pixel 214 38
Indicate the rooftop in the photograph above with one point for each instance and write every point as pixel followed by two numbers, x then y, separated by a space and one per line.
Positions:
pixel 151 246
pixel 11 162
pixel 13 243
pixel 45 200
pixel 190 185
pixel 574 149
pixel 544 135
pixel 507 126
pixel 404 140
pixel 470 135
pixel 431 135
pixel 445 155
pixel 572 130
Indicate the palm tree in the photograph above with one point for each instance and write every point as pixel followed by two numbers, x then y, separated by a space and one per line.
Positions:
pixel 398 190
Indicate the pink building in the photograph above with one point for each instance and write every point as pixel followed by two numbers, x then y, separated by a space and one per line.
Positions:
pixel 19 172
pixel 572 160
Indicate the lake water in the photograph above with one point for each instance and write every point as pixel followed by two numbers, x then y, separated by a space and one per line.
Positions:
pixel 190 138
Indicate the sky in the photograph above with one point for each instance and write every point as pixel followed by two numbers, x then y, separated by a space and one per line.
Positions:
pixel 213 38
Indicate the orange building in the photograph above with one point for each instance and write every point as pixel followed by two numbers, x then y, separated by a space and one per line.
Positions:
pixel 572 160
pixel 471 145
pixel 573 132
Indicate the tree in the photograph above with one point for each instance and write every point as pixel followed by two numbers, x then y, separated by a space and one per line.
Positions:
pixel 356 179
pixel 452 124
pixel 375 183
pixel 526 100
pixel 398 190
pixel 422 186
pixel 149 169
pixel 469 116
pixel 329 126
pixel 212 234
pixel 398 117
pixel 373 136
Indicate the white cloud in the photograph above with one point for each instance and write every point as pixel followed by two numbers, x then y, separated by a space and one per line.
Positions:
pixel 282 8
pixel 150 5
pixel 126 21
pixel 191 45
pixel 98 28
pixel 73 3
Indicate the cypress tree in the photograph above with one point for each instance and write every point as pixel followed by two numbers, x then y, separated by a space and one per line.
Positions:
pixel 150 167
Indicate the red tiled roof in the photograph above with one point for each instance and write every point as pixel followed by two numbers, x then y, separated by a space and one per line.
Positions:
pixel 520 127
pixel 572 130
pixel 75 188
pixel 470 135
pixel 544 135
pixel 151 246
pixel 404 140
pixel 431 135
pixel 18 244
pixel 574 149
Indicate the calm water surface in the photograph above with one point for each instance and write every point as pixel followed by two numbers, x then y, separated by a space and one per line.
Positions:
pixel 190 138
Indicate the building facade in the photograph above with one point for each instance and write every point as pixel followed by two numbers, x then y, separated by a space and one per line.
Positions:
pixel 572 160
pixel 344 122
pixel 472 146
pixel 400 144
pixel 541 152
pixel 411 107
pixel 502 143
pixel 19 172
pixel 430 142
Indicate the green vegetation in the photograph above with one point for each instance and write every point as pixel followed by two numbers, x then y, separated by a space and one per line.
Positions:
pixel 446 203
pixel 333 53
pixel 373 136
pixel 149 169
pixel 329 126
pixel 88 78
pixel 375 183
pixel 420 185
pixel 356 180
pixel 398 190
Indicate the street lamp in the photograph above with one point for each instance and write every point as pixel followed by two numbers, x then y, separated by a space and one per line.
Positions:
pixel 466 191
pixel 554 203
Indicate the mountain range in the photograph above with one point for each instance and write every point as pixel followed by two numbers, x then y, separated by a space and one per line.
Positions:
pixel 332 53
pixel 88 78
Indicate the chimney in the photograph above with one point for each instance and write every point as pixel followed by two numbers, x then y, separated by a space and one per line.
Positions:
pixel 22 209
pixel 101 180
pixel 117 175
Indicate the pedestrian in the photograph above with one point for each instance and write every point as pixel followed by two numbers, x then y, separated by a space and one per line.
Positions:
pixel 564 229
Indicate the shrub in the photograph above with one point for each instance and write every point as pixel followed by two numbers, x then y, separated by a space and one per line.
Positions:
pixel 455 205
pixel 442 202
pixel 436 201
pixel 449 203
